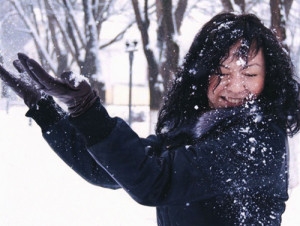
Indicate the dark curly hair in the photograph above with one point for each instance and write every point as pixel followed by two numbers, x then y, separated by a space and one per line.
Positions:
pixel 187 98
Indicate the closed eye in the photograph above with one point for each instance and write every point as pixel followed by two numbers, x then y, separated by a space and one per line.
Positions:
pixel 250 75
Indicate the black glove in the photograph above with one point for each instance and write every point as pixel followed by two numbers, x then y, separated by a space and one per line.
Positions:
pixel 72 90
pixel 22 85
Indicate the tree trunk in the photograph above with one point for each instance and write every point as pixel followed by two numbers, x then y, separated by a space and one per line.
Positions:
pixel 61 56
pixel 143 25
pixel 241 4
pixel 162 69
pixel 170 50
pixel 179 13
pixel 227 6
pixel 277 19
pixel 3 86
pixel 287 7
pixel 91 64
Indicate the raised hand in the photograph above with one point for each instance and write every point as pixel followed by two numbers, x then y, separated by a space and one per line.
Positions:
pixel 22 85
pixel 71 89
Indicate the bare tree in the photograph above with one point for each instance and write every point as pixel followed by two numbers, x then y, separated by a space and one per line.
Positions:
pixel 162 67
pixel 67 33
pixel 3 88
pixel 227 5
pixel 278 20
pixel 143 23
pixel 241 4
pixel 168 27
pixel 287 6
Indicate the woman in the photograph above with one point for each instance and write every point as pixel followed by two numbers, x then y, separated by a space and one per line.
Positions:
pixel 219 156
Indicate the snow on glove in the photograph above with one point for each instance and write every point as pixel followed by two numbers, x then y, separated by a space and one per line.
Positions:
pixel 71 89
pixel 22 85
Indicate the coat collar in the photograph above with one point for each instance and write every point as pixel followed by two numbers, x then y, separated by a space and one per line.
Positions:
pixel 213 118
pixel 196 128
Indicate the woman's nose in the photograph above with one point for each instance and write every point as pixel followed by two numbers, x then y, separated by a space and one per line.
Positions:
pixel 236 83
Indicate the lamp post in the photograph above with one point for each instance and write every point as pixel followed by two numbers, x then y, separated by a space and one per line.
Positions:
pixel 130 48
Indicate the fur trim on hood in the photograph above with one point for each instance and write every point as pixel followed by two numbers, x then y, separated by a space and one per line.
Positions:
pixel 196 128
pixel 214 118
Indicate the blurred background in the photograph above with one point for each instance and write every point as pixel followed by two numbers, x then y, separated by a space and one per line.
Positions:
pixel 125 45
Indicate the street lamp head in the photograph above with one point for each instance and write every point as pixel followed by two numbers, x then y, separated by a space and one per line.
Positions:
pixel 131 45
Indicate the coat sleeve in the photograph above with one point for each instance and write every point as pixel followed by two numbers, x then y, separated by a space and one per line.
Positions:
pixel 232 162
pixel 68 144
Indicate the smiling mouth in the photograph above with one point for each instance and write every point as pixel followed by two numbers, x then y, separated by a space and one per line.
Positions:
pixel 233 101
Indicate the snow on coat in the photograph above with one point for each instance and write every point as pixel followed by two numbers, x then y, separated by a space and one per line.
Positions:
pixel 232 170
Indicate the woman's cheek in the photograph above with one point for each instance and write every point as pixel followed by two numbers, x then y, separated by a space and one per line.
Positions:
pixel 256 87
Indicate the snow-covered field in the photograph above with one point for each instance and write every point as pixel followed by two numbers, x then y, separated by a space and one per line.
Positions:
pixel 37 188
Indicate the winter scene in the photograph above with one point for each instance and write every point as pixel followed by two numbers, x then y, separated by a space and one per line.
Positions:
pixel 230 165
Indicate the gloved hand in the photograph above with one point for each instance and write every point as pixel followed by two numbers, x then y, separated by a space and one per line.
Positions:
pixel 70 89
pixel 22 85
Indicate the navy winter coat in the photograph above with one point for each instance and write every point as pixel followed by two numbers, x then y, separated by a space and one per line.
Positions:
pixel 232 170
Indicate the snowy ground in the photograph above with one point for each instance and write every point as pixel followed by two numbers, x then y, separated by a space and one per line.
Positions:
pixel 37 188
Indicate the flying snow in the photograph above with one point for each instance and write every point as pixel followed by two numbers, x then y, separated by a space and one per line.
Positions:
pixel 77 79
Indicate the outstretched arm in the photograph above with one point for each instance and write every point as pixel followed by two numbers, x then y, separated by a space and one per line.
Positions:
pixel 56 129
pixel 67 143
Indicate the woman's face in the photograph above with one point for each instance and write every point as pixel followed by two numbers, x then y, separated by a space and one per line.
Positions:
pixel 239 81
